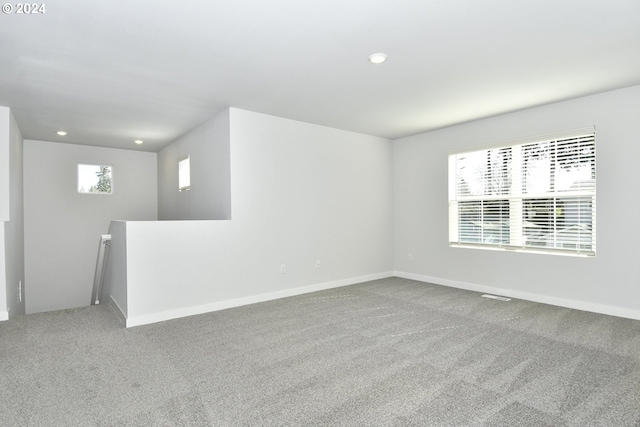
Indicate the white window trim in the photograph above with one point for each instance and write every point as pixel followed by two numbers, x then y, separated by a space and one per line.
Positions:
pixel 182 174
pixel 89 192
pixel 516 235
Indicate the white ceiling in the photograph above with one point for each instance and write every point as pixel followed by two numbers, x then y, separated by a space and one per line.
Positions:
pixel 111 71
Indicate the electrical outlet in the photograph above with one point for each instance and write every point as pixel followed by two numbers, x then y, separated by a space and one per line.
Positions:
pixel 283 268
pixel 19 291
pixel 410 256
pixel 317 263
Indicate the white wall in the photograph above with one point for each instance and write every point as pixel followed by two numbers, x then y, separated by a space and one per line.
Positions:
pixel 62 228
pixel 299 193
pixel 4 310
pixel 11 216
pixel 4 204
pixel 14 228
pixel 5 124
pixel 114 287
pixel 607 283
pixel 210 193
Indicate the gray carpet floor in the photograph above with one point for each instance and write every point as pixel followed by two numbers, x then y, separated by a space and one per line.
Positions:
pixel 390 352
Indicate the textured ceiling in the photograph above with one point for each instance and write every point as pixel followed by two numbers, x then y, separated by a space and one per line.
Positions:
pixel 112 71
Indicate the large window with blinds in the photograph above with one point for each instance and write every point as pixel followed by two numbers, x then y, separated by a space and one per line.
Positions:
pixel 534 194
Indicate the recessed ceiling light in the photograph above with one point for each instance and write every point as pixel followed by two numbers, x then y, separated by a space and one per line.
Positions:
pixel 61 133
pixel 138 141
pixel 377 58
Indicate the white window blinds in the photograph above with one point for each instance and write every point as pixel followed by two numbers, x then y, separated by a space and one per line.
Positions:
pixel 535 194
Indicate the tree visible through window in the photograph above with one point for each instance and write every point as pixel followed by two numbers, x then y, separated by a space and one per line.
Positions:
pixel 534 194
pixel 96 179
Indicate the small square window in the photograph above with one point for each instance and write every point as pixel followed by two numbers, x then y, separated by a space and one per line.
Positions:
pixel 184 174
pixel 95 179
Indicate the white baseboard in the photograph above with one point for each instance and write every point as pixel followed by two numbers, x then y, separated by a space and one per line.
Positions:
pixel 237 302
pixel 545 299
pixel 118 310
pixel 4 315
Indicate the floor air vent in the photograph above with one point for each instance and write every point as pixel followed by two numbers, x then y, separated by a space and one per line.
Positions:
pixel 496 297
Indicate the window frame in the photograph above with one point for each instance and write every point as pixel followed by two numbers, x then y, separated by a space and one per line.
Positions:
pixel 98 165
pixel 182 173
pixel 552 209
